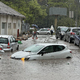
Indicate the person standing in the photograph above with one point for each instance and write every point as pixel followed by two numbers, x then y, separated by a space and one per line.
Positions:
pixel 34 33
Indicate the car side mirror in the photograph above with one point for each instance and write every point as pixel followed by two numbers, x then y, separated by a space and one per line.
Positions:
pixel 42 53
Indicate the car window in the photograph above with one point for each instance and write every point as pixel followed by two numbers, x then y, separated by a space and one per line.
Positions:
pixel 33 48
pixel 58 48
pixel 68 30
pixel 64 29
pixel 48 49
pixel 78 33
pixel 11 40
pixel 75 30
pixel 42 30
pixel 4 40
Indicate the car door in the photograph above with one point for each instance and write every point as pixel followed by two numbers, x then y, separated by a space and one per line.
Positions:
pixel 67 35
pixel 43 31
pixel 59 51
pixel 46 53
pixel 77 38
pixel 13 43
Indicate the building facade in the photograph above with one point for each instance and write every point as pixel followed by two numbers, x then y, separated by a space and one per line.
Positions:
pixel 10 21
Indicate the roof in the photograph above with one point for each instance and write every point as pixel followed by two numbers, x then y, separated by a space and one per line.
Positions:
pixel 4 9
pixel 47 44
pixel 5 36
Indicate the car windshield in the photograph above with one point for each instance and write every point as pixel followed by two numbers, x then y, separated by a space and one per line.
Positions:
pixel 34 48
pixel 3 40
pixel 75 30
pixel 64 29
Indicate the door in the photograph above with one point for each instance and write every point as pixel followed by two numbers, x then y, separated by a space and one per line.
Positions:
pixel 13 44
pixel 46 53
pixel 4 28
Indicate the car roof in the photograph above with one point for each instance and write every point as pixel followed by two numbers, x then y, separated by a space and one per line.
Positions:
pixel 47 44
pixel 62 26
pixel 5 36
pixel 74 27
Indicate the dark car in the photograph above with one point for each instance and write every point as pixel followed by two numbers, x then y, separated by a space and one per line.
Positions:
pixel 77 39
pixel 60 31
pixel 69 34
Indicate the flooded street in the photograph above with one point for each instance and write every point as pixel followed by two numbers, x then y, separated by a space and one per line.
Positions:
pixel 56 69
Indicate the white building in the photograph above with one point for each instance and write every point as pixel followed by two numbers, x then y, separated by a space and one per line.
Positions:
pixel 10 20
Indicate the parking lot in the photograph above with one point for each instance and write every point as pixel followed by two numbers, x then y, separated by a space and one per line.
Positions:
pixel 56 69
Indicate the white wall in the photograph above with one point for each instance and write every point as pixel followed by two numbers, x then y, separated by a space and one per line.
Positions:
pixel 13 20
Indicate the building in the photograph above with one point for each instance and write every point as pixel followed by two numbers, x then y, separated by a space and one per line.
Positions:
pixel 10 20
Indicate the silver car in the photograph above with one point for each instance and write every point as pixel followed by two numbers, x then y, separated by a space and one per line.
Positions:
pixel 9 43
pixel 69 34
pixel 44 31
pixel 43 51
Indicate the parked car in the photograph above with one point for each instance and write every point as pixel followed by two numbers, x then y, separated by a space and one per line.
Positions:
pixel 9 43
pixel 60 31
pixel 69 35
pixel 77 39
pixel 43 51
pixel 43 31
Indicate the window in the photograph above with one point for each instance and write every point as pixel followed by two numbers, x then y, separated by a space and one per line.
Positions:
pixel 14 25
pixel 68 30
pixel 18 23
pixel 3 25
pixel 9 25
pixel 48 49
pixel 58 48
pixel 34 48
pixel 11 40
pixel 4 40
pixel 75 30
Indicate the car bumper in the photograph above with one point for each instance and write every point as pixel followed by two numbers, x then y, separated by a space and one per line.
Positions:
pixel 7 49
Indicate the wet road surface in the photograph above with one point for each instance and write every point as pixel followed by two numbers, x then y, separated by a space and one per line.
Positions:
pixel 57 69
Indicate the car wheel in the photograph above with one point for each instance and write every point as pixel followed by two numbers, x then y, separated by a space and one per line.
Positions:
pixel 56 37
pixel 17 47
pixel 68 57
pixel 26 58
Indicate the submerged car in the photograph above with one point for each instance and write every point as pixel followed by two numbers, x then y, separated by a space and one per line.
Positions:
pixel 9 43
pixel 43 51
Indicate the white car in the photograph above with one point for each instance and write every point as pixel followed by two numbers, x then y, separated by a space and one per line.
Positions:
pixel 44 31
pixel 9 43
pixel 43 51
